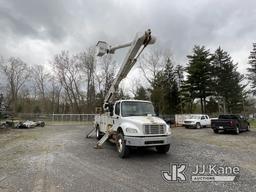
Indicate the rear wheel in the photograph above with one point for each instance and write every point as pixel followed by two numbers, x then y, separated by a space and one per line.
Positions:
pixel 216 131
pixel 248 127
pixel 237 130
pixel 122 149
pixel 198 125
pixel 163 148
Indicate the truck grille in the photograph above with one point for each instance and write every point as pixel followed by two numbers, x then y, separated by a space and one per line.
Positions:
pixel 154 129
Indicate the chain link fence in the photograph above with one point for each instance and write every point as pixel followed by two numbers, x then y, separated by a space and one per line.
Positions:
pixel 82 118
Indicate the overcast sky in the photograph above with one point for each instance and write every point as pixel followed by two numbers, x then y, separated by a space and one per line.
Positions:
pixel 35 30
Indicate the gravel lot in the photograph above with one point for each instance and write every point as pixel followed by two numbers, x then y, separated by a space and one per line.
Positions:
pixel 59 158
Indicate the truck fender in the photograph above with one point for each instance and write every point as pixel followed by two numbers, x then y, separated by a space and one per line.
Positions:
pixel 125 125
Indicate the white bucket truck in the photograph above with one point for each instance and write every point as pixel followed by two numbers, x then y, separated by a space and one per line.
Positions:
pixel 130 123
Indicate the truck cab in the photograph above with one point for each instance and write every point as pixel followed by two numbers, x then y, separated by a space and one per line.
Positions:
pixel 134 124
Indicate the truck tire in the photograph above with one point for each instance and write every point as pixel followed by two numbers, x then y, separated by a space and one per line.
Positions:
pixel 98 133
pixel 237 131
pixel 163 148
pixel 248 127
pixel 216 131
pixel 42 124
pixel 122 149
pixel 198 125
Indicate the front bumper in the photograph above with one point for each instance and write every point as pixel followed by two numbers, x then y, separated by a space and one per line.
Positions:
pixel 147 141
pixel 189 125
pixel 224 128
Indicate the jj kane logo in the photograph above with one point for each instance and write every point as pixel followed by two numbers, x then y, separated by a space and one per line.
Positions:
pixel 212 172
pixel 176 172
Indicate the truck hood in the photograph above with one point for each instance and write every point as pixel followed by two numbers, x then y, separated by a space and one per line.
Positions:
pixel 144 120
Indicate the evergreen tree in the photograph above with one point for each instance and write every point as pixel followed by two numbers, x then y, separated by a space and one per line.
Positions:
pixel 157 92
pixel 199 80
pixel 141 94
pixel 170 89
pixel 187 97
pixel 227 82
pixel 212 106
pixel 252 69
pixel 165 93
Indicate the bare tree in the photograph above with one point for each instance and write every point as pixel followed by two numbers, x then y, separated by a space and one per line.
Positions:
pixel 104 76
pixel 87 65
pixel 106 72
pixel 135 85
pixel 55 89
pixel 41 79
pixel 68 74
pixel 150 64
pixel 17 73
pixel 108 67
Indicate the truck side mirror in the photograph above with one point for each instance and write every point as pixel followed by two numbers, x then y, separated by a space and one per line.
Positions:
pixel 111 109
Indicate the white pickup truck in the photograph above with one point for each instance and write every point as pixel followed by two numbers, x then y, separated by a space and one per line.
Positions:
pixel 197 121
pixel 132 123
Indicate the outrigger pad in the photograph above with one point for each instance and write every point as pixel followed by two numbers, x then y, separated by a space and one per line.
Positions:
pixel 91 132
pixel 102 140
pixel 98 147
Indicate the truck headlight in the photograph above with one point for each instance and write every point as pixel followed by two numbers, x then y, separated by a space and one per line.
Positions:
pixel 131 130
pixel 168 129
pixel 164 127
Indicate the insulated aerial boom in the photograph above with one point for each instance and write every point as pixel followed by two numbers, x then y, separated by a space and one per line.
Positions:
pixel 136 48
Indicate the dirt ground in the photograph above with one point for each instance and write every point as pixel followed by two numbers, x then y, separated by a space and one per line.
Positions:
pixel 60 158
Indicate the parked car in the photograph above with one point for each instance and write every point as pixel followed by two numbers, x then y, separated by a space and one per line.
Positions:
pixel 235 123
pixel 2 125
pixel 169 119
pixel 30 124
pixel 197 121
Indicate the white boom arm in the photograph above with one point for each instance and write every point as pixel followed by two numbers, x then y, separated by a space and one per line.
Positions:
pixel 137 46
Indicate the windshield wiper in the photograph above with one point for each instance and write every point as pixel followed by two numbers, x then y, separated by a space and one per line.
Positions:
pixel 127 115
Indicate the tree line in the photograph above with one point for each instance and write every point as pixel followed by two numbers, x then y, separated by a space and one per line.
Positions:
pixel 77 83
pixel 68 84
pixel 209 83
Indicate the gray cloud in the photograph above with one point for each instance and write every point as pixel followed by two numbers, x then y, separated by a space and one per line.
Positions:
pixel 43 28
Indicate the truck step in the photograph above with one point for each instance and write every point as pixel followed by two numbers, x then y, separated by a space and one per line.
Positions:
pixel 91 132
pixel 102 141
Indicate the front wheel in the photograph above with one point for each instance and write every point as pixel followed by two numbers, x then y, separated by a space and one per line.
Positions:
pixel 122 149
pixel 98 133
pixel 198 125
pixel 163 148
pixel 42 124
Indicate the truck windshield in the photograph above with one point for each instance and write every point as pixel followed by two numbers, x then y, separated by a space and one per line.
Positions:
pixel 195 117
pixel 135 108
pixel 228 117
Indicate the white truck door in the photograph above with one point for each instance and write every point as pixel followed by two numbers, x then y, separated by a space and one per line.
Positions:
pixel 116 116
pixel 208 121
pixel 203 120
